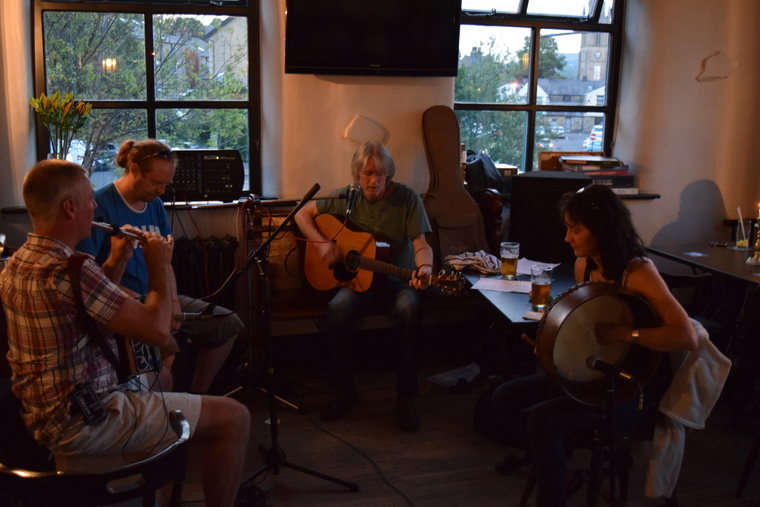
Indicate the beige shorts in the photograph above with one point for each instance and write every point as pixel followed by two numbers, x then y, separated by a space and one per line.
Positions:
pixel 137 426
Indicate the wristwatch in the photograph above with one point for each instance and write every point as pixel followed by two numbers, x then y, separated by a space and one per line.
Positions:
pixel 635 336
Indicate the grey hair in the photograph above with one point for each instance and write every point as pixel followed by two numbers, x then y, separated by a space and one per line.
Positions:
pixel 376 151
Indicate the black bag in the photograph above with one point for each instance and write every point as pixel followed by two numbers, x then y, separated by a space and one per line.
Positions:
pixel 17 447
pixel 481 173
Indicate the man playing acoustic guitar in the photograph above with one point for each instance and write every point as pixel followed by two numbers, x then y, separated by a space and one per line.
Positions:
pixel 393 211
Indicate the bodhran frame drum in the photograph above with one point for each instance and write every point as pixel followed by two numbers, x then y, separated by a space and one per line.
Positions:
pixel 566 339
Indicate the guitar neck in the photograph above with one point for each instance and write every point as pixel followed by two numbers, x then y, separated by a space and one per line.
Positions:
pixel 385 268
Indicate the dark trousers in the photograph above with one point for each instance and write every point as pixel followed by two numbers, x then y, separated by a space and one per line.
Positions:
pixel 541 418
pixel 348 306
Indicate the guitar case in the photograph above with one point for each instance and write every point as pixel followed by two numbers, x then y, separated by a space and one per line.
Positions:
pixel 454 215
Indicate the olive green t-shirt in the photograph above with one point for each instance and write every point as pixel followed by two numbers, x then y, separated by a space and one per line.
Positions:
pixel 396 218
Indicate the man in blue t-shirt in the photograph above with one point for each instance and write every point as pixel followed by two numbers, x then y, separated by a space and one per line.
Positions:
pixel 395 212
pixel 134 200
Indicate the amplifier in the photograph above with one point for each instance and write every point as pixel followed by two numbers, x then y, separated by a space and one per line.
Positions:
pixel 206 175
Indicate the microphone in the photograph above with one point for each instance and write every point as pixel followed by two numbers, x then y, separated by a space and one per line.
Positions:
pixel 353 191
pixel 117 231
pixel 596 363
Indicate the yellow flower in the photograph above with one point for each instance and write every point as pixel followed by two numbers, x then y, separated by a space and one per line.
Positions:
pixel 63 117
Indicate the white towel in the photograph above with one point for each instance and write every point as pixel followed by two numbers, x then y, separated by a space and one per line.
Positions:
pixel 480 261
pixel 688 401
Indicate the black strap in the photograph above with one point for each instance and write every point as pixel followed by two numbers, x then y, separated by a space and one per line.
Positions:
pixel 74 267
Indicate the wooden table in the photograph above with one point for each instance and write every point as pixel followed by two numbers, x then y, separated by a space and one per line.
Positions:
pixel 513 305
pixel 724 261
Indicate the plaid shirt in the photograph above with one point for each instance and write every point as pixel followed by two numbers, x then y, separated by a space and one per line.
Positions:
pixel 49 353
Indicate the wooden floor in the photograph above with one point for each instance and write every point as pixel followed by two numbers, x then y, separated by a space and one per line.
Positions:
pixel 445 463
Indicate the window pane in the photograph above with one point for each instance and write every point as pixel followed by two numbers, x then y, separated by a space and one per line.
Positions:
pixel 212 129
pixel 579 8
pixel 500 134
pixel 95 55
pixel 493 64
pixel 509 6
pixel 96 144
pixel 568 131
pixel 201 57
pixel 573 67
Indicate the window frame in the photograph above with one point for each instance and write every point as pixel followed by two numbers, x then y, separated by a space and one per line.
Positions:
pixel 150 104
pixel 537 23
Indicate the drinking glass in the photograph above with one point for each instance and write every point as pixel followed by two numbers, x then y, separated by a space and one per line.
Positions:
pixel 540 286
pixel 510 252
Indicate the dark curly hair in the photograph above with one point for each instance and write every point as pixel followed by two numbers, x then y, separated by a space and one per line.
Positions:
pixel 601 210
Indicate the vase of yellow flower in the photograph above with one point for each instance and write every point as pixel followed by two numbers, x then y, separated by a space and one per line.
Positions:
pixel 63 117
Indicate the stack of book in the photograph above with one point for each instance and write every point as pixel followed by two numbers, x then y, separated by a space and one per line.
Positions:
pixel 593 165
pixel 608 171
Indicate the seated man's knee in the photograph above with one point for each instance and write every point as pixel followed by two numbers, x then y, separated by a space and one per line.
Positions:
pixel 407 305
pixel 220 415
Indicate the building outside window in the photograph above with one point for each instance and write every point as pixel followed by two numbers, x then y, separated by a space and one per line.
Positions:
pixel 537 75
pixel 184 74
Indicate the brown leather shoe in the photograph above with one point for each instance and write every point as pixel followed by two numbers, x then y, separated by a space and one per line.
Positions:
pixel 407 417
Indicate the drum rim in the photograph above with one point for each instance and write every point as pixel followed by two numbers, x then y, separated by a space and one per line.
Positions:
pixel 594 392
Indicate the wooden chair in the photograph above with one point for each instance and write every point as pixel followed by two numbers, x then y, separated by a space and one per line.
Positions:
pixel 136 480
pixel 27 477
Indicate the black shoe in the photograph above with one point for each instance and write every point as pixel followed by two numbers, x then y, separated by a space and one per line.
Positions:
pixel 407 417
pixel 250 495
pixel 337 407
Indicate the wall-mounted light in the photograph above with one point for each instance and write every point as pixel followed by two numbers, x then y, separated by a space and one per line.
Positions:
pixel 108 64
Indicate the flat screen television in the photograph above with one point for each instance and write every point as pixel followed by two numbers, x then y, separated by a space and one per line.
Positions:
pixel 372 37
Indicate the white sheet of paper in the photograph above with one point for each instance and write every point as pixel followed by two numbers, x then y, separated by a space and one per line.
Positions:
pixel 523 265
pixel 502 285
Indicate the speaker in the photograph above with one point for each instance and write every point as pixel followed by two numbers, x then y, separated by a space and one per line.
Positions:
pixel 534 219
pixel 206 175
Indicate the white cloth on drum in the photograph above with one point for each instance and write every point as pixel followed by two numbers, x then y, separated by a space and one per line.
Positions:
pixel 688 401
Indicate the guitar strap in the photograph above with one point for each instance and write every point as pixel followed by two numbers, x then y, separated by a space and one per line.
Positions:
pixel 74 266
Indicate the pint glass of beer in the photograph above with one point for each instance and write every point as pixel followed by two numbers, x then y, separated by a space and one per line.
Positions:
pixel 510 252
pixel 540 286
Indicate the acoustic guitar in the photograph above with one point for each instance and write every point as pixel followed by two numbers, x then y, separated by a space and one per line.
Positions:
pixel 359 260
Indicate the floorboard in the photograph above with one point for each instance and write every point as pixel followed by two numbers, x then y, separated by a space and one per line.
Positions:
pixel 446 463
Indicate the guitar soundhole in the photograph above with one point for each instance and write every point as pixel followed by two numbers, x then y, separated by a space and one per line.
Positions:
pixel 347 269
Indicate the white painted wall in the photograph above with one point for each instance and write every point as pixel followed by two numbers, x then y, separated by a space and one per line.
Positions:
pixel 689 139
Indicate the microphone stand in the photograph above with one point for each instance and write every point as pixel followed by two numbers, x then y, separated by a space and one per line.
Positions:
pixel 611 391
pixel 274 458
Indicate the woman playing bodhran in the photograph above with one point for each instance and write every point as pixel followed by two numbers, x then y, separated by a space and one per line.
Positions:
pixel 537 412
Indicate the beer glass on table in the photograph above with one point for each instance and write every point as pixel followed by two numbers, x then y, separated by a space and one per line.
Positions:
pixel 510 252
pixel 540 286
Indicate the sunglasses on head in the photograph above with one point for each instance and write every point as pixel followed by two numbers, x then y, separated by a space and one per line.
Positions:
pixel 158 154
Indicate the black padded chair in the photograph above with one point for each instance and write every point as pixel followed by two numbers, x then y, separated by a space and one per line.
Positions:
pixel 697 294
pixel 142 479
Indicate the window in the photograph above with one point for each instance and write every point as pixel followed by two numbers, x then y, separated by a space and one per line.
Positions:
pixel 537 75
pixel 185 74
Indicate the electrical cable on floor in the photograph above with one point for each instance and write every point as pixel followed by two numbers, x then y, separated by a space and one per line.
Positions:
pixel 363 455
